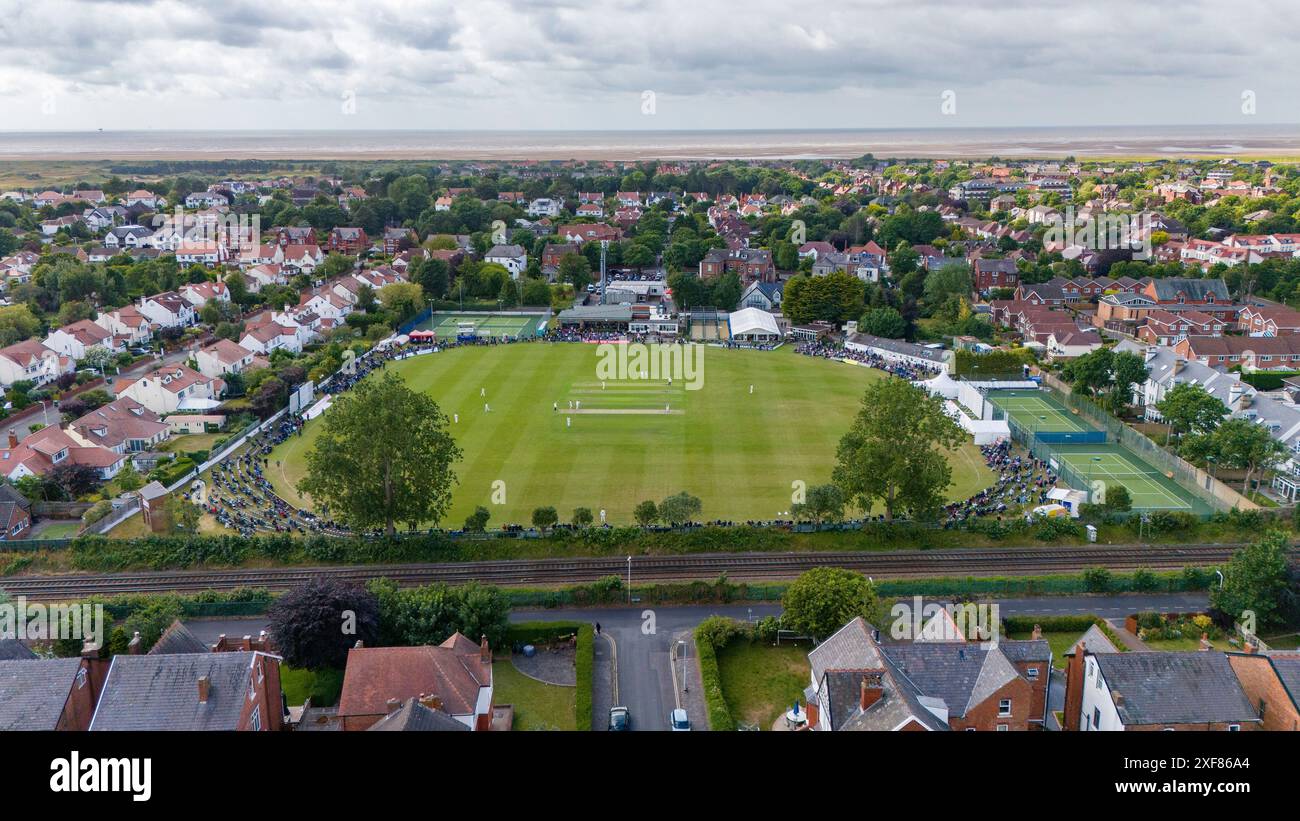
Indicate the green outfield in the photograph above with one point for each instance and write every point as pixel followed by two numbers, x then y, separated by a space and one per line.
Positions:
pixel 634 440
pixel 446 324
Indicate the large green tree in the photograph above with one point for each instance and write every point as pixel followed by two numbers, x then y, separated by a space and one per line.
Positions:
pixel 1189 408
pixel 895 451
pixel 384 456
pixel 824 599
pixel 1255 581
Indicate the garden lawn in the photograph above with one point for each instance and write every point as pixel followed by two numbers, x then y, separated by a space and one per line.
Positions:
pixel 760 682
pixel 324 686
pixel 738 452
pixel 538 706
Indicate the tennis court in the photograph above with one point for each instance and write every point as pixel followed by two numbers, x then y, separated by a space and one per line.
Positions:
pixel 1081 456
pixel 1100 467
pixel 1035 411
pixel 447 325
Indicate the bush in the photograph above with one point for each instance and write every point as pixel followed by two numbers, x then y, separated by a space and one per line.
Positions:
pixel 97 511
pixel 1097 580
pixel 718 631
pixel 1144 580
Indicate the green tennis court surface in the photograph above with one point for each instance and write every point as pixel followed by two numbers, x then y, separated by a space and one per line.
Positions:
pixel 1101 467
pixel 1037 411
pixel 447 324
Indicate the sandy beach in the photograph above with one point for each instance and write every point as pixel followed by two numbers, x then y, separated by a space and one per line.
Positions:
pixel 1082 143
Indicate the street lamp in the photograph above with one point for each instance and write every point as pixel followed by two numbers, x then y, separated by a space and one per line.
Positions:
pixel 629 579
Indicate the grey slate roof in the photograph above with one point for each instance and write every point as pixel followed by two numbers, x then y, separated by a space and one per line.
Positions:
pixel 177 639
pixel 1026 650
pixel 963 674
pixel 1094 641
pixel 34 692
pixel 849 648
pixel 415 717
pixel 14 650
pixel 161 692
pixel 1175 688
pixel 1195 289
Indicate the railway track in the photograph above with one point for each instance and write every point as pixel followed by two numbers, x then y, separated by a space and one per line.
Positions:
pixel 706 567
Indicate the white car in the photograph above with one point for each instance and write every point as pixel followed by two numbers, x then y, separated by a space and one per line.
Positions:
pixel 678 721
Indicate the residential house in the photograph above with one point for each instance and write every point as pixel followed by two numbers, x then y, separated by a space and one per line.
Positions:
pixel 994 273
pixel 345 239
pixel 1180 294
pixel 1123 311
pixel 765 296
pixel 582 232
pixel 396 239
pixel 512 257
pixel 127 325
pixel 1165 328
pixel 75 339
pixel 259 276
pixel 1153 690
pixel 1260 320
pixel 127 236
pixel 454 677
pixel 1253 353
pixel 237 691
pixel 30 361
pixel 15 518
pixel 168 310
pixel 302 259
pixel 223 357
pixel 44 450
pixel 173 388
pixel 123 426
pixel 748 263
pixel 199 294
pixel 862 682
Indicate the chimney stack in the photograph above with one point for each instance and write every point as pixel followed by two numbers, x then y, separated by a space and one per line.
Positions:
pixel 205 686
pixel 136 645
pixel 1250 644
pixel 359 643
pixel 1074 665
pixel 873 688
pixel 1205 642
pixel 1037 634
pixel 484 652
pixel 13 438
pixel 1117 697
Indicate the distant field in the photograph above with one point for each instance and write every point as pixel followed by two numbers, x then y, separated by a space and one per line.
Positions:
pixel 634 440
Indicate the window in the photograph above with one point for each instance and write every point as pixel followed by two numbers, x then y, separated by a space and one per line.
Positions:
pixel 255 720
pixel 1234 728
pixel 1004 707
pixel 1032 674
pixel 1002 728
pixel 1096 716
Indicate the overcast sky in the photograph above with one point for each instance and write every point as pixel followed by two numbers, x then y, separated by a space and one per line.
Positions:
pixel 349 64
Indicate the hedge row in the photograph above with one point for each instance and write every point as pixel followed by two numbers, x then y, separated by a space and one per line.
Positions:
pixel 719 715
pixel 537 632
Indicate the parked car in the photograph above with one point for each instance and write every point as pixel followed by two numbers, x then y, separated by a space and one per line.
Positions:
pixel 679 721
pixel 620 720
